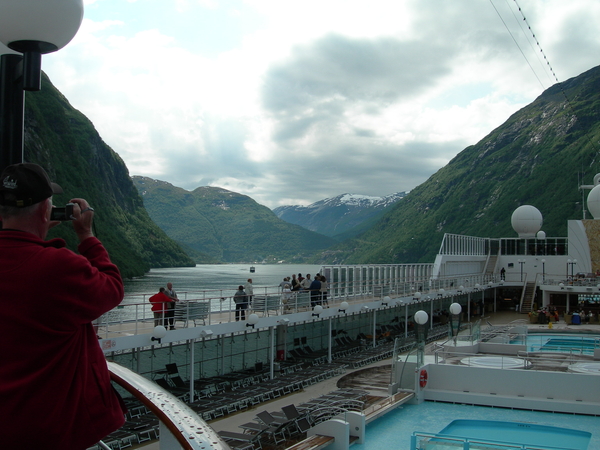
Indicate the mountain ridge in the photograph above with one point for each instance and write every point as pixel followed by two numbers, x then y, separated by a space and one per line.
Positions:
pixel 64 141
pixel 534 158
pixel 225 226
pixel 337 216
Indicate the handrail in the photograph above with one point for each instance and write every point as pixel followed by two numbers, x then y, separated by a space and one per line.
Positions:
pixel 190 431
pixel 524 281
pixel 132 318
pixel 458 245
pixel 468 443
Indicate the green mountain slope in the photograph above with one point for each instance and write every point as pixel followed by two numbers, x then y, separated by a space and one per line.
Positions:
pixel 225 226
pixel 539 156
pixel 65 143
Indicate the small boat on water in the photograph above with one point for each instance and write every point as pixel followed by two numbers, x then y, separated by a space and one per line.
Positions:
pixel 252 269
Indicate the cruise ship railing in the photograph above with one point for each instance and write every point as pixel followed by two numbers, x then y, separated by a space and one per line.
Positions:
pixel 460 245
pixel 551 359
pixel 556 280
pixel 452 355
pixel 134 315
pixel 180 426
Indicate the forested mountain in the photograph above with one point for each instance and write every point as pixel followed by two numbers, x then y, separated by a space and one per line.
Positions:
pixel 539 156
pixel 341 217
pixel 214 224
pixel 65 143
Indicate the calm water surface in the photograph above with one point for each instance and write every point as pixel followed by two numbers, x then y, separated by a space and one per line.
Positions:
pixel 215 276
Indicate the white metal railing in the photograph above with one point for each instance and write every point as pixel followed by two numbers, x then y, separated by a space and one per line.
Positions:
pixel 394 280
pixel 421 440
pixel 460 245
pixel 134 315
pixel 555 280
pixel 443 355
pixel 539 359
pixel 180 426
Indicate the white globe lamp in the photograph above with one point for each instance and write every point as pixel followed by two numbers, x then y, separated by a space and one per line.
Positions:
pixel 421 317
pixel 455 308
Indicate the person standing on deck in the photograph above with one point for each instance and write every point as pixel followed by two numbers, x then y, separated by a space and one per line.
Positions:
pixel 249 289
pixel 315 292
pixel 241 303
pixel 323 281
pixel 294 285
pixel 55 389
pixel 160 303
pixel 170 314
pixel 285 281
pixel 305 283
pixel 286 296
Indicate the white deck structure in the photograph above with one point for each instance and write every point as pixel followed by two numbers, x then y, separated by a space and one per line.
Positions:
pixel 482 274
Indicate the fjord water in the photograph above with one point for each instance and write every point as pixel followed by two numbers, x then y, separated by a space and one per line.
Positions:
pixel 215 276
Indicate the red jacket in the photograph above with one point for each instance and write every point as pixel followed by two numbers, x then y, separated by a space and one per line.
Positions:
pixel 160 302
pixel 55 387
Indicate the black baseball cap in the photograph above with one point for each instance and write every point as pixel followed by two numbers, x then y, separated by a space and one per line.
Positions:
pixel 25 184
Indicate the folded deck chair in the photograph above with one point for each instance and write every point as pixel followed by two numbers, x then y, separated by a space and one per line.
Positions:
pixel 303 425
pixel 172 369
pixel 276 429
pixel 291 413
pixel 267 418
pixel 173 373
pixel 242 437
pixel 175 390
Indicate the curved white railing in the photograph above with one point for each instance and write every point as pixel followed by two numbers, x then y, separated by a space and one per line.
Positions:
pixel 179 423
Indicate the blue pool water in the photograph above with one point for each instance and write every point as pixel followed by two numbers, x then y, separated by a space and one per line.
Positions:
pixel 394 430
pixel 519 433
pixel 558 342
pixel 586 345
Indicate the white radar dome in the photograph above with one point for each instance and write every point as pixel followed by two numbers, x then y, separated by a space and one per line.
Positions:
pixel 527 220
pixel 593 202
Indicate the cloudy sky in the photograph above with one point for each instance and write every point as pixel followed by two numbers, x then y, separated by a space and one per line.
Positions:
pixel 291 101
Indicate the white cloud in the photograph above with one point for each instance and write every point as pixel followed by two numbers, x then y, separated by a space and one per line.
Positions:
pixel 297 101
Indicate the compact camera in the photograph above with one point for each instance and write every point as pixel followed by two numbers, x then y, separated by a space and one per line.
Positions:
pixel 62 214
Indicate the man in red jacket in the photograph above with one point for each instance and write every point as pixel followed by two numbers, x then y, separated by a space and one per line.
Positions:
pixel 160 306
pixel 55 387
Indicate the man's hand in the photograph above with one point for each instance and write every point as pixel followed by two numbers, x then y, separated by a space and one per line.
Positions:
pixel 83 217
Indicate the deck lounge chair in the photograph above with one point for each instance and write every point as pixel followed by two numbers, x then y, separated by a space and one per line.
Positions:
pixel 276 427
pixel 179 392
pixel 245 438
pixel 174 377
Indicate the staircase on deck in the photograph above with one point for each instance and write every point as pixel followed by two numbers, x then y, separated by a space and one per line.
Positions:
pixel 491 266
pixel 528 298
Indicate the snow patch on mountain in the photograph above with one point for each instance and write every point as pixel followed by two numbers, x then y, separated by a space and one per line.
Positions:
pixel 339 214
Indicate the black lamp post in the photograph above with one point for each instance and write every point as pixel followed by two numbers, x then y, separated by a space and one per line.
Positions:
pixel 421 319
pixel 544 271
pixel 29 28
pixel 454 320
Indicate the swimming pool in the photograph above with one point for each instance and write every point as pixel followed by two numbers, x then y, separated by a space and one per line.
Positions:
pixel 502 435
pixel 560 342
pixel 394 430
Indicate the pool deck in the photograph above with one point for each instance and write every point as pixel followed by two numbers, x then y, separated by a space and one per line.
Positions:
pixel 233 421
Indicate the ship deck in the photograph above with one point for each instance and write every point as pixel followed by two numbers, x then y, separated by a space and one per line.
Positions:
pixel 373 378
